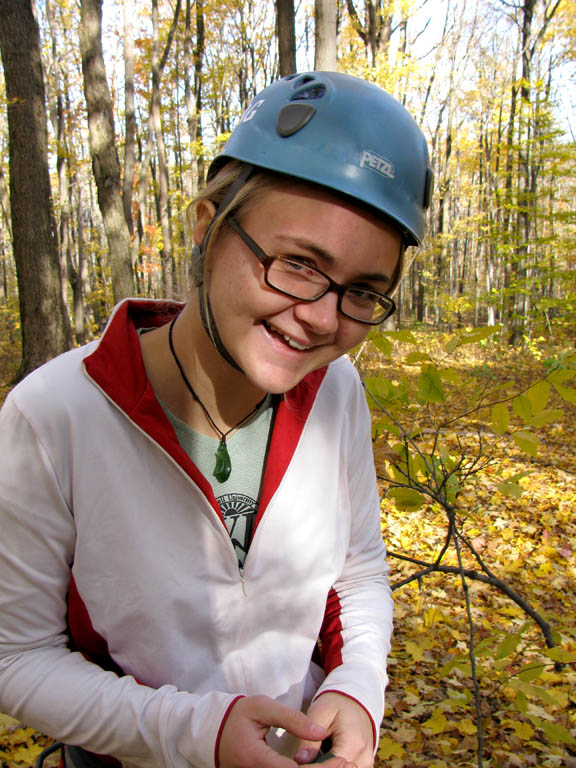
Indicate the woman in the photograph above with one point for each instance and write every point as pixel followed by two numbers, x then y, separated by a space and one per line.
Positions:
pixel 191 565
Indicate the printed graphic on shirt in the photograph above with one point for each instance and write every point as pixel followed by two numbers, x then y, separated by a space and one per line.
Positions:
pixel 239 512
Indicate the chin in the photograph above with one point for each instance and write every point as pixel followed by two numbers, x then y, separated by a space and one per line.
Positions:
pixel 280 381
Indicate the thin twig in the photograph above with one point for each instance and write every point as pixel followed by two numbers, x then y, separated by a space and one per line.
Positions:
pixel 471 652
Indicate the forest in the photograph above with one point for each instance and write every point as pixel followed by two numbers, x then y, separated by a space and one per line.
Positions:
pixel 133 98
pixel 111 113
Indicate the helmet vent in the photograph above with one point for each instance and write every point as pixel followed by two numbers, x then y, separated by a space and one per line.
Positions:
pixel 309 94
pixel 304 80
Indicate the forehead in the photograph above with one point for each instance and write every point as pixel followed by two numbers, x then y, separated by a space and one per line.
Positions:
pixel 333 229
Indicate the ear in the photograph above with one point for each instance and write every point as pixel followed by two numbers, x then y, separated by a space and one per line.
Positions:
pixel 205 210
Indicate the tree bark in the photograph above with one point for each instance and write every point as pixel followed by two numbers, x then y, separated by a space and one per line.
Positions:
pixel 130 114
pixel 155 112
pixel 105 164
pixel 286 33
pixel 45 324
pixel 376 32
pixel 57 110
pixel 325 14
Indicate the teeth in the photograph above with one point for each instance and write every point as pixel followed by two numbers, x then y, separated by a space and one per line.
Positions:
pixel 295 344
pixel 288 339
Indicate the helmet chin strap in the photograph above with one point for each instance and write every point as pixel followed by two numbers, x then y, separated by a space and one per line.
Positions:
pixel 208 320
pixel 211 328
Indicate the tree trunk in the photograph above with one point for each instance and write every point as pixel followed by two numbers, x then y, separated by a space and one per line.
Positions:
pixel 376 32
pixel 130 114
pixel 77 275
pixel 286 32
pixel 193 62
pixel 58 110
pixel 164 201
pixel 45 324
pixel 325 14
pixel 105 164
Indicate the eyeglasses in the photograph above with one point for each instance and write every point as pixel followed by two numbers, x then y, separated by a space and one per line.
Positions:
pixel 300 281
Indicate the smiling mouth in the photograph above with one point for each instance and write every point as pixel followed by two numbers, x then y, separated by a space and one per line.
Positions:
pixel 290 341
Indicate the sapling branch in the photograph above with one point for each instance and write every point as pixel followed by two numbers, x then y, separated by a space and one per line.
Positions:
pixel 471 648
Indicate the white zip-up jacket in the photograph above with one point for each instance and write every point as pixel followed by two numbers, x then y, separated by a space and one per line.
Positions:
pixel 126 626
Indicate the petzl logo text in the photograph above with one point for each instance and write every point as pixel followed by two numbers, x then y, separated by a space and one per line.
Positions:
pixel 377 163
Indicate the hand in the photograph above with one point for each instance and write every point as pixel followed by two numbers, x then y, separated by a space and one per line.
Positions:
pixel 348 725
pixel 243 740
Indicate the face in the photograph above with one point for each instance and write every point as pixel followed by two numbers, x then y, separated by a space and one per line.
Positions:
pixel 276 339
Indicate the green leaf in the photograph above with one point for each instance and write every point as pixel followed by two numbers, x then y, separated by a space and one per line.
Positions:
pixel 557 733
pixel 407 498
pixel 383 344
pixel 528 674
pixel 479 334
pixel 567 393
pixel 451 375
pixel 379 387
pixel 560 654
pixel 508 488
pixel 527 442
pixel 523 407
pixel 500 418
pixel 507 647
pixel 430 385
pixel 538 395
pixel 561 376
pixel 549 416
pixel 452 344
pixel 406 336
pixel 521 702
pixel 446 669
pixel 416 357
pixel 534 691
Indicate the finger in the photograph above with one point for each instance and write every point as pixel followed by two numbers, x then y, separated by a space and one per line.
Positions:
pixel 315 757
pixel 276 715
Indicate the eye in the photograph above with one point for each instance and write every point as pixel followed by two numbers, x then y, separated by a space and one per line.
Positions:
pixel 362 296
pixel 299 267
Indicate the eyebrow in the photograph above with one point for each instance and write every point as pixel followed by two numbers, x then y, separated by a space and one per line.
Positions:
pixel 308 245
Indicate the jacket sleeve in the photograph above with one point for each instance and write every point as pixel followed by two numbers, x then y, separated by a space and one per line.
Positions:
pixel 43 683
pixel 357 628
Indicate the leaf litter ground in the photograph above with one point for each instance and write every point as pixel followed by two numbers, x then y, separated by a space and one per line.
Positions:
pixel 528 702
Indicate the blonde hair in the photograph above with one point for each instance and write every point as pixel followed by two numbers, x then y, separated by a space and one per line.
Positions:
pixel 215 192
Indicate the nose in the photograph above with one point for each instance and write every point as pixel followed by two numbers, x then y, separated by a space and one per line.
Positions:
pixel 321 316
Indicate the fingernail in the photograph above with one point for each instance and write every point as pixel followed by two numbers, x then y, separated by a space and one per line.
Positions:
pixel 303 756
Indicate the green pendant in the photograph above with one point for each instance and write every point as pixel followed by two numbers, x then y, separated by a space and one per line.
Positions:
pixel 223 464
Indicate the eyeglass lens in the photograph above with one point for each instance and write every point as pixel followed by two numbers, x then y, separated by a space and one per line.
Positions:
pixel 304 282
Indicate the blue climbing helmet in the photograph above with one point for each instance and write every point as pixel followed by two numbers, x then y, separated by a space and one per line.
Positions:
pixel 342 133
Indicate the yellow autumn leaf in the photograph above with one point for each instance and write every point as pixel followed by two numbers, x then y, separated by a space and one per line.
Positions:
pixel 437 723
pixel 433 616
pixel 389 748
pixel 466 726
pixel 415 650
pixel 524 731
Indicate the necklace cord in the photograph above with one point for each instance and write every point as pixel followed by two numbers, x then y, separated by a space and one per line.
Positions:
pixel 223 435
